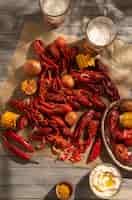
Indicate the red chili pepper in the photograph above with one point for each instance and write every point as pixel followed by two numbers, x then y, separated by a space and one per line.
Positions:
pixel 18 138
pixel 95 152
pixel 15 150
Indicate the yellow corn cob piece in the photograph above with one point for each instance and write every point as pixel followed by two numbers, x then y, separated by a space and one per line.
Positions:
pixel 29 87
pixel 91 62
pixel 84 61
pixel 126 119
pixel 9 119
pixel 79 60
pixel 87 57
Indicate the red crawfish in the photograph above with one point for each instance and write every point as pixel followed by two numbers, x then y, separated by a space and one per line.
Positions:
pixel 53 50
pixel 122 153
pixel 87 76
pixel 92 128
pixel 95 151
pixel 63 127
pixel 113 124
pixel 83 122
pixel 47 62
pixel 127 137
pixel 58 109
pixel 22 122
pixel 110 90
pixel 58 141
pixel 38 46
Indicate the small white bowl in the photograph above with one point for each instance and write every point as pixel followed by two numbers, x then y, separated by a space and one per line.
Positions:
pixel 110 167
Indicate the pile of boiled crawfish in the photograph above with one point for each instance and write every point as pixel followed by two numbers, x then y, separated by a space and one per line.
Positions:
pixel 45 111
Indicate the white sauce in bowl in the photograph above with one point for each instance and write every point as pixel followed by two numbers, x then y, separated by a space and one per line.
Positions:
pixel 105 180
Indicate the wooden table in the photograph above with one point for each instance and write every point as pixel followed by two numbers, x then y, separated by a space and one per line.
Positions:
pixel 30 181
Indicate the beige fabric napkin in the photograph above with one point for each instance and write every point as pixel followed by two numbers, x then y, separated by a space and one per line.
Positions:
pixel 118 57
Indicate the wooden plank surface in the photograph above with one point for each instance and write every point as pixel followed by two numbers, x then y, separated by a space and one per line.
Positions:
pixel 30 181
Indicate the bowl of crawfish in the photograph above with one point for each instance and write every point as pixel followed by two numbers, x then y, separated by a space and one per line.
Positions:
pixel 117 132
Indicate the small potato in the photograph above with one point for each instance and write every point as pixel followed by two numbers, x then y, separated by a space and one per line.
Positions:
pixel 126 105
pixel 126 119
pixel 71 118
pixel 68 81
pixel 32 67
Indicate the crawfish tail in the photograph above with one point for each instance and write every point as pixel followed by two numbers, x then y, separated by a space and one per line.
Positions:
pixel 98 102
pixel 38 47
pixel 62 109
pixel 53 50
pixel 58 121
pixel 83 122
pixel 17 104
pixel 44 131
pixel 92 128
pixel 87 76
pixel 50 63
pixel 67 132
pixel 22 122
pixel 84 101
pixel 112 121
pixel 95 151
pixel 110 89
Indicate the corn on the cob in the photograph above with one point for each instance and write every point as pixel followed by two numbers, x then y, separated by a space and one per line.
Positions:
pixel 84 61
pixel 126 119
pixel 9 119
pixel 29 87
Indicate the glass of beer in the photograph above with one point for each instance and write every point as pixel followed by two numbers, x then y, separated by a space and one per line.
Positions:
pixel 54 11
pixel 100 32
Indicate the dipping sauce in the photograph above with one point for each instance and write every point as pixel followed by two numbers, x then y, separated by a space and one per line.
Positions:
pixel 63 191
pixel 105 180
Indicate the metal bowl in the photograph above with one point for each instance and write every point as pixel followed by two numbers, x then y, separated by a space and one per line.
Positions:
pixel 106 139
